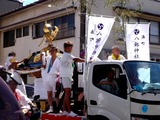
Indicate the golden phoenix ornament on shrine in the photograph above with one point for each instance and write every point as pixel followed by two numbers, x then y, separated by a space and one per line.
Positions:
pixel 49 33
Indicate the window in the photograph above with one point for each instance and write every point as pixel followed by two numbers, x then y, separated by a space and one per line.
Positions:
pixel 143 21
pixel 18 32
pixel 57 22
pixel 143 75
pixel 107 78
pixel 26 31
pixel 9 38
pixel 132 20
pixel 51 22
pixel 154 32
pixel 66 25
pixel 154 29
pixel 37 30
pixel 71 20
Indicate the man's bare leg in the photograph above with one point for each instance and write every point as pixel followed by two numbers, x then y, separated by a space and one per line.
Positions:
pixel 64 105
pixel 50 101
pixel 67 99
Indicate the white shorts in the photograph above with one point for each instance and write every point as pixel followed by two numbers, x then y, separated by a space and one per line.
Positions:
pixel 50 84
pixel 66 82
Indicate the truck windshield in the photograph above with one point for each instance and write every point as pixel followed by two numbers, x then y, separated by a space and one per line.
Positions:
pixel 143 76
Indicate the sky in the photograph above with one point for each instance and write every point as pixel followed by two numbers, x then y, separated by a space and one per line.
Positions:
pixel 26 2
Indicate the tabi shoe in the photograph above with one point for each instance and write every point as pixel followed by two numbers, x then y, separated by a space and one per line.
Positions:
pixel 72 114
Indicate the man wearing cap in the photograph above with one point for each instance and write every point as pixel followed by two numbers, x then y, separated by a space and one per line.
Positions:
pixel 13 80
pixel 116 54
pixel 66 73
pixel 52 72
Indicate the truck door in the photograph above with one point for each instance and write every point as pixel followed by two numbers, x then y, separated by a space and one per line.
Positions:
pixel 102 99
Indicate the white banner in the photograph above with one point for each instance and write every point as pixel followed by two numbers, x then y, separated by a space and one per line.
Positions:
pixel 137 41
pixel 99 29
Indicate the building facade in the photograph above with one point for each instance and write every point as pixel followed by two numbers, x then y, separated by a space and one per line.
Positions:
pixel 21 30
pixel 148 14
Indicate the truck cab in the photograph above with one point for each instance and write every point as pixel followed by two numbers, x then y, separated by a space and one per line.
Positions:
pixel 138 95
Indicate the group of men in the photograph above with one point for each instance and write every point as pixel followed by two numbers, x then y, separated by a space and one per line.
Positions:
pixel 16 84
pixel 60 70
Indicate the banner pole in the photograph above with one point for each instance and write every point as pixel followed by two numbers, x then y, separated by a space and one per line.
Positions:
pixel 125 39
pixel 86 36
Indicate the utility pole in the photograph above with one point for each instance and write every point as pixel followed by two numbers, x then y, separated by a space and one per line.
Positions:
pixel 82 26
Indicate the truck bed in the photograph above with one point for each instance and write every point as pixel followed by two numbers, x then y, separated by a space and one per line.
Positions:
pixel 51 116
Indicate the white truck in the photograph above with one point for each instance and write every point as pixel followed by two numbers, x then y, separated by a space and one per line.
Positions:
pixel 138 97
pixel 139 91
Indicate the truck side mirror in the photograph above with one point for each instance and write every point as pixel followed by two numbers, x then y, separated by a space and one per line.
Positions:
pixel 123 86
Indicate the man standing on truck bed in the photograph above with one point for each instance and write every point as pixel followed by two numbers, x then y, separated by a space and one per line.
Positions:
pixel 52 69
pixel 66 73
pixel 116 54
